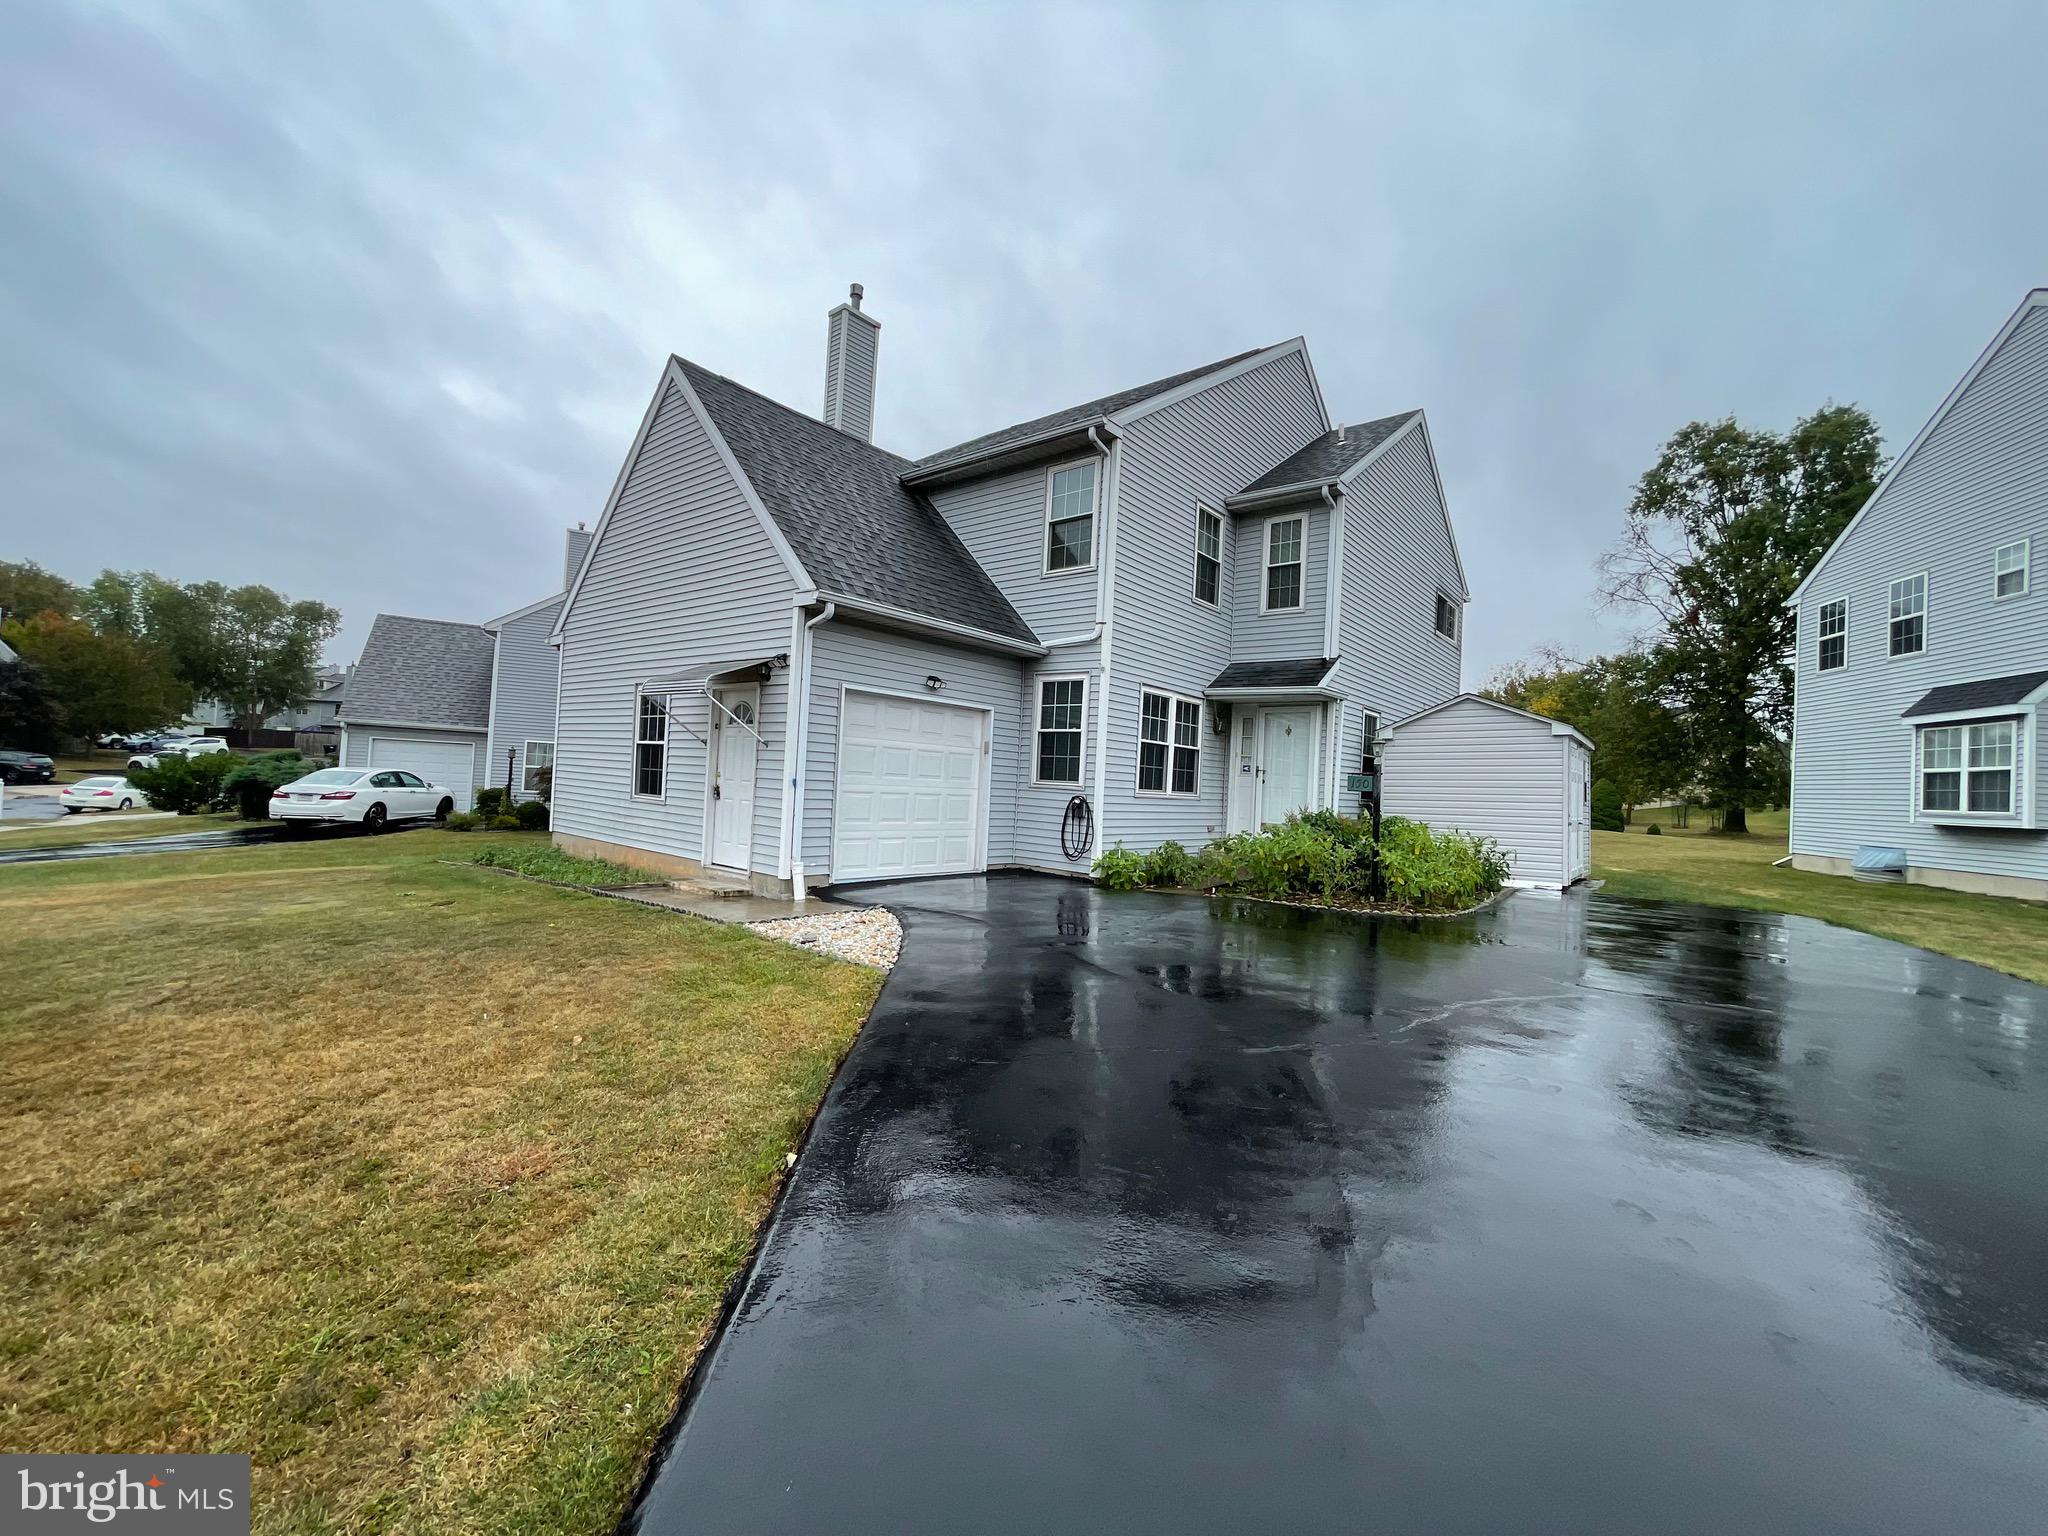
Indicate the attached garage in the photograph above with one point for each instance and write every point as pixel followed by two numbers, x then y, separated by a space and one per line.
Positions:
pixel 447 761
pixel 912 788
pixel 1478 766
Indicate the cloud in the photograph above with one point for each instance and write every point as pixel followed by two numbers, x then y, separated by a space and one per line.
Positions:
pixel 365 302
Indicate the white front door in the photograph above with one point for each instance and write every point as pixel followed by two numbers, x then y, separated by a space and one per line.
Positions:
pixel 732 778
pixel 1287 749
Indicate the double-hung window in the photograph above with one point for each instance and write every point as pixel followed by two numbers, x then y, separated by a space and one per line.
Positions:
pixel 1908 632
pixel 1833 651
pixel 1169 744
pixel 1285 537
pixel 1062 702
pixel 1446 617
pixel 1208 556
pixel 2009 570
pixel 1070 517
pixel 536 758
pixel 1968 768
pixel 650 748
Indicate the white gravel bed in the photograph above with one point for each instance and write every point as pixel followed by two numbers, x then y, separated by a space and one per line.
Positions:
pixel 867 937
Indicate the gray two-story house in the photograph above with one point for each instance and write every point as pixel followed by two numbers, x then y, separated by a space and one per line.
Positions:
pixel 1170 612
pixel 1923 648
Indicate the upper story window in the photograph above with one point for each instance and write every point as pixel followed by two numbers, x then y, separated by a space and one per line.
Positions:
pixel 1908 631
pixel 1169 744
pixel 1070 517
pixel 650 748
pixel 1285 537
pixel 1208 556
pixel 2009 570
pixel 1446 617
pixel 1062 701
pixel 1833 652
pixel 1967 768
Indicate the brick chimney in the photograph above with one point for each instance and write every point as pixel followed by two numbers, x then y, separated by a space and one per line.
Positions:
pixel 852 342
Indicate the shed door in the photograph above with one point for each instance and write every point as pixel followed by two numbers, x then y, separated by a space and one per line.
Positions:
pixel 912 789
pixel 1579 813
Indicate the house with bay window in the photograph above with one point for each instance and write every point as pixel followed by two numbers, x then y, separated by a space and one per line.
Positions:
pixel 1923 648
pixel 1171 611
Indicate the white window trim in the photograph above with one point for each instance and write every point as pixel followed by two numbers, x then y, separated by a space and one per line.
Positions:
pixel 1457 619
pixel 1037 728
pixel 2021 815
pixel 1266 563
pixel 1820 632
pixel 1222 541
pixel 1173 703
pixel 1926 615
pixel 2026 548
pixel 633 758
pixel 526 757
pixel 1094 520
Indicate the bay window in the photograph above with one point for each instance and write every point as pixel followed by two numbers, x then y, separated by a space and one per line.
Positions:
pixel 1968 769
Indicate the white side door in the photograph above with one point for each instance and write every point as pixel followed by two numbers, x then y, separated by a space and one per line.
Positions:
pixel 732 781
pixel 1287 743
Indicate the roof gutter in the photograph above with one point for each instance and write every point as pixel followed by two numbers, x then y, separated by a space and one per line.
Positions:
pixel 918 623
pixel 416 725
pixel 1279 493
pixel 1021 450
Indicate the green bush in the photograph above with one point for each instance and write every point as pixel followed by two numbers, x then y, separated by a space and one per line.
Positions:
pixel 1654 831
pixel 503 823
pixel 250 782
pixel 1607 810
pixel 187 785
pixel 1169 864
pixel 532 815
pixel 1120 869
pixel 463 821
pixel 491 803
pixel 1439 871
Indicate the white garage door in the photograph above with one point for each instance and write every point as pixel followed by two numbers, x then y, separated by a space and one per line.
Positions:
pixel 910 792
pixel 451 764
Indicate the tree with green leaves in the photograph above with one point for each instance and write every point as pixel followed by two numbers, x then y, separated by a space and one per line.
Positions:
pixel 1640 744
pixel 28 715
pixel 1720 531
pixel 98 683
pixel 26 589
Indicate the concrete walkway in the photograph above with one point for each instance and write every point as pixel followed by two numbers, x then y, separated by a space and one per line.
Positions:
pixel 724 908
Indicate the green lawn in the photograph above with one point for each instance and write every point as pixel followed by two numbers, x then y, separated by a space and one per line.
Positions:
pixel 418 1184
pixel 106 826
pixel 2009 936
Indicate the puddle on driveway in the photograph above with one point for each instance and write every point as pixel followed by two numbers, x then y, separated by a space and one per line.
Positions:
pixel 1141 1213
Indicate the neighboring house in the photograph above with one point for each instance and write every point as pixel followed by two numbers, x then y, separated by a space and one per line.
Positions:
pixel 1923 648
pixel 1477 765
pixel 470 704
pixel 1173 611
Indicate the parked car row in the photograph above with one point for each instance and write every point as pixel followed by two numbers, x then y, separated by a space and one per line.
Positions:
pixel 176 746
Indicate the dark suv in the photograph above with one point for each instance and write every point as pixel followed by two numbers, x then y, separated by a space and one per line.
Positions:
pixel 26 768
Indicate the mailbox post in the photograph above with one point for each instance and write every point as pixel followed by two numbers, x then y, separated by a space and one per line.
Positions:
pixel 1366 785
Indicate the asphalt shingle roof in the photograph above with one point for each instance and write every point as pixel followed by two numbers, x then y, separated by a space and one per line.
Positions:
pixel 1073 416
pixel 427 670
pixel 1303 672
pixel 1986 693
pixel 1326 458
pixel 841 504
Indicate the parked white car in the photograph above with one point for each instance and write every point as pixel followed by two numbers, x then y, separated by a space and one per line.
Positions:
pixel 105 793
pixel 372 796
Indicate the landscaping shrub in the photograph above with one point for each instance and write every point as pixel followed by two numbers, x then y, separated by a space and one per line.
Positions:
pixel 1654 831
pixel 532 815
pixel 490 803
pixel 547 862
pixel 187 785
pixel 1607 809
pixel 1438 870
pixel 504 823
pixel 250 782
pixel 1120 869
pixel 463 821
pixel 1169 864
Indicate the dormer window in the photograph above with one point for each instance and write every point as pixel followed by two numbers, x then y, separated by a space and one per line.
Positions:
pixel 1070 517
pixel 1285 537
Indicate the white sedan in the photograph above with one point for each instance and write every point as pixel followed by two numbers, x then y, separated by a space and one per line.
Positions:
pixel 373 796
pixel 100 794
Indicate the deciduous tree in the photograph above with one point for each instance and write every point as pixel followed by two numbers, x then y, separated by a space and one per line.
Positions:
pixel 98 683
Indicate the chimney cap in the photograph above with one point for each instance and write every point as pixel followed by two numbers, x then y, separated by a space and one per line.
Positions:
pixel 854 293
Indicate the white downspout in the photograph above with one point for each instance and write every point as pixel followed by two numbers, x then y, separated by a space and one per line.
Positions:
pixel 1105 614
pixel 800 733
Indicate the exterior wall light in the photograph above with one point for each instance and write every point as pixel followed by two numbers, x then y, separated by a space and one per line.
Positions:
pixel 935 683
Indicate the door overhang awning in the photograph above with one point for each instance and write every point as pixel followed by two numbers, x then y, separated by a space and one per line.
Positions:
pixel 695 682
pixel 1306 677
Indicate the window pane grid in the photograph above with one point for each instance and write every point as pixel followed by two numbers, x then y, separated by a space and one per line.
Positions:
pixel 2010 569
pixel 1059 730
pixel 650 748
pixel 1208 556
pixel 1283 563
pixel 1070 514
pixel 1834 635
pixel 1169 744
pixel 1969 767
pixel 1908 617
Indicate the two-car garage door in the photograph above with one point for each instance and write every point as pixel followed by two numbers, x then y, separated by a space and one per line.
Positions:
pixel 911 790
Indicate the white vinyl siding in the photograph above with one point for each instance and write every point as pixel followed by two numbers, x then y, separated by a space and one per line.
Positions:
pixel 1972 488
pixel 1001 521
pixel 1477 768
pixel 525 675
pixel 1261 633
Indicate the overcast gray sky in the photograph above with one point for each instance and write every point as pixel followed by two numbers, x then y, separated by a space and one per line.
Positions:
pixel 364 301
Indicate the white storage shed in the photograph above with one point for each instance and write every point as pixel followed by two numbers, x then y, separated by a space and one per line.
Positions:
pixel 1524 780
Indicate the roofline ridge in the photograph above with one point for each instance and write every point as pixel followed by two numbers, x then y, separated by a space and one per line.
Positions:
pixel 767 399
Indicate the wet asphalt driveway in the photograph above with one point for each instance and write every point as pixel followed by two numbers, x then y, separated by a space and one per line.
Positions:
pixel 1141 1213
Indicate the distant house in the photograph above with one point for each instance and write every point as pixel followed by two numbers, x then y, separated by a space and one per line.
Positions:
pixel 1168 612
pixel 461 704
pixel 1923 648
